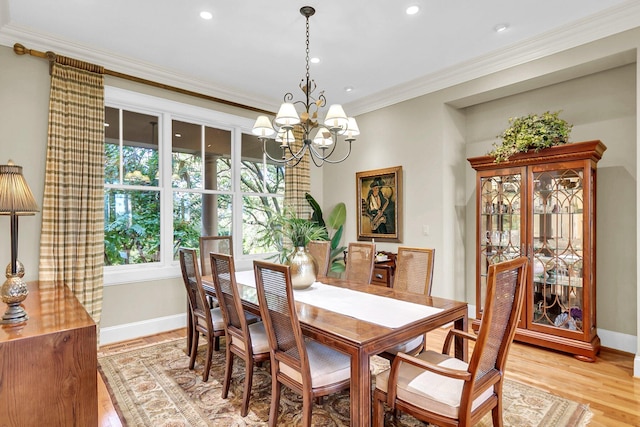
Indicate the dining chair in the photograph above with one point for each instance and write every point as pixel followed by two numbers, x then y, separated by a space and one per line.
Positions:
pixel 320 250
pixel 360 259
pixel 308 367
pixel 414 273
pixel 219 244
pixel 446 391
pixel 205 320
pixel 244 339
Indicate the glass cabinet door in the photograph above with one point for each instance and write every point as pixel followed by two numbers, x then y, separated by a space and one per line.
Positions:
pixel 500 222
pixel 557 228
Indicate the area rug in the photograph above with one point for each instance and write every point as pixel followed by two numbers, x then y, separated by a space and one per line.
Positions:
pixel 152 386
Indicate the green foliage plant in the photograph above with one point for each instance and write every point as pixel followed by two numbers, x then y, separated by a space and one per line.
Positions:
pixel 334 223
pixel 531 132
pixel 286 231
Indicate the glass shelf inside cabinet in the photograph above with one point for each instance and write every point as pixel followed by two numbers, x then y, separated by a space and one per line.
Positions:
pixel 558 265
pixel 500 224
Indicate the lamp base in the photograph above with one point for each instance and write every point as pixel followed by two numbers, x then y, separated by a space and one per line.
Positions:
pixel 13 292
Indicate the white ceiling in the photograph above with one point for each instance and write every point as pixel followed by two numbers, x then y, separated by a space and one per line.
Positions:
pixel 252 52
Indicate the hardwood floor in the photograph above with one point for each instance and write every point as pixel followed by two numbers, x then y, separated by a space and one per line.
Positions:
pixel 607 385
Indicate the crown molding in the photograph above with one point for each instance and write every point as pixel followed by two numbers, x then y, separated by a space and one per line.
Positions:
pixel 11 34
pixel 615 20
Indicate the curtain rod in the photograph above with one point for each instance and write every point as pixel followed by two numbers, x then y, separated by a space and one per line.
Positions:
pixel 51 57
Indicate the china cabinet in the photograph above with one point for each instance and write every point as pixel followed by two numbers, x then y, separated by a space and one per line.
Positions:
pixel 543 205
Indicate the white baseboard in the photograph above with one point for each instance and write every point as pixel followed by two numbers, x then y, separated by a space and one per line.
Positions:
pixel 129 331
pixel 636 366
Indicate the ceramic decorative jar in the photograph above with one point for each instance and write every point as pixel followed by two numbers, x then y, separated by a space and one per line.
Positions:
pixel 303 268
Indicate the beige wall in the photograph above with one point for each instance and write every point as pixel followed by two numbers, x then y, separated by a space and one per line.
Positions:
pixel 430 137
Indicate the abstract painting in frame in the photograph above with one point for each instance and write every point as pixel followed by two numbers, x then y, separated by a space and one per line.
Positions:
pixel 379 204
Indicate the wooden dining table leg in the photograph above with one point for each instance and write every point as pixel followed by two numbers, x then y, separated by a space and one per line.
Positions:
pixel 461 346
pixel 360 393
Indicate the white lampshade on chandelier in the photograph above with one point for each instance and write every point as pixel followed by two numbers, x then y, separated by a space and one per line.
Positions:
pixel 324 141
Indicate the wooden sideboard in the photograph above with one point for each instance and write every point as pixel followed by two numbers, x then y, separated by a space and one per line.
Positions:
pixel 384 272
pixel 48 365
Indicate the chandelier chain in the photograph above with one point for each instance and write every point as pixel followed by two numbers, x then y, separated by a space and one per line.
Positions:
pixel 307 51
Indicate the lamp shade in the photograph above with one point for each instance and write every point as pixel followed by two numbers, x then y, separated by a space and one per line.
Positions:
pixel 263 127
pixel 352 130
pixel 285 137
pixel 287 115
pixel 15 195
pixel 323 138
pixel 336 118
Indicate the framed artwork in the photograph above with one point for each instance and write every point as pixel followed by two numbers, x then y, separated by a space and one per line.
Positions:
pixel 379 204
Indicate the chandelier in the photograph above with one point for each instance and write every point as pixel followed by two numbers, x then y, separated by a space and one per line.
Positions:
pixel 324 142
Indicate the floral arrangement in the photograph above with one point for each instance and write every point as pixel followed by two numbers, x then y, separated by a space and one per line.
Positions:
pixel 531 132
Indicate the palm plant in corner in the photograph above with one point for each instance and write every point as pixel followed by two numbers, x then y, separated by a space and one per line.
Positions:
pixel 531 132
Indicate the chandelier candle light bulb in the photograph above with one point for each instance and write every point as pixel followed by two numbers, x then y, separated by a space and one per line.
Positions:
pixel 336 122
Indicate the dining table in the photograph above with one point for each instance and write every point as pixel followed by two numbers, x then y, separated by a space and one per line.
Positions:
pixel 361 320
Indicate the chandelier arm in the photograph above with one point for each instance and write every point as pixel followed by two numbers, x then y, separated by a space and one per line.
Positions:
pixel 286 160
pixel 315 160
pixel 338 161
pixel 323 156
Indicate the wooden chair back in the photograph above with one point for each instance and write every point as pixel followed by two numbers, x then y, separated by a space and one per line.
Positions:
pixel 360 259
pixel 320 250
pixel 278 311
pixel 224 282
pixel 199 313
pixel 414 270
pixel 245 337
pixel 193 284
pixel 217 244
pixel 505 295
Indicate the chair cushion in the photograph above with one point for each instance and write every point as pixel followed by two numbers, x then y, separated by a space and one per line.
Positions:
pixel 408 347
pixel 217 319
pixel 259 340
pixel 327 365
pixel 429 390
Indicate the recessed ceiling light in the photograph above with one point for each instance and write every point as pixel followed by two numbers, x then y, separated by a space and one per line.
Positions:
pixel 348 89
pixel 501 27
pixel 206 15
pixel 178 135
pixel 314 60
pixel 412 10
pixel 106 125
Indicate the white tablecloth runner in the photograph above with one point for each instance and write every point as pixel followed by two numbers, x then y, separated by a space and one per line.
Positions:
pixel 383 311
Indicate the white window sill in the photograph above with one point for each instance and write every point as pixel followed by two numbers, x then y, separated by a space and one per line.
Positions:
pixel 140 273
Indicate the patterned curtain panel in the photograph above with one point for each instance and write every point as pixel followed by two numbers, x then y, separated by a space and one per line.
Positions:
pixel 72 240
pixel 297 182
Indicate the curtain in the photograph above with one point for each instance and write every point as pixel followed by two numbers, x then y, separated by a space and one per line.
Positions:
pixel 297 181
pixel 72 239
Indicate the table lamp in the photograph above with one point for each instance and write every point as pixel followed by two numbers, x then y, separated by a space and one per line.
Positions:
pixel 15 199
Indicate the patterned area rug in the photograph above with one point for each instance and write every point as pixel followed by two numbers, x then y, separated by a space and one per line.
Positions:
pixel 152 386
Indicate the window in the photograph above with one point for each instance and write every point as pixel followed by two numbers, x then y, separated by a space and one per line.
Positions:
pixel 174 172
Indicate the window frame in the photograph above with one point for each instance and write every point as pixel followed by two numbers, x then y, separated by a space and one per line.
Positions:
pixel 167 110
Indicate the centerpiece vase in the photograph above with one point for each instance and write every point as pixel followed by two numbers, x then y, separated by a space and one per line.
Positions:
pixel 303 268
